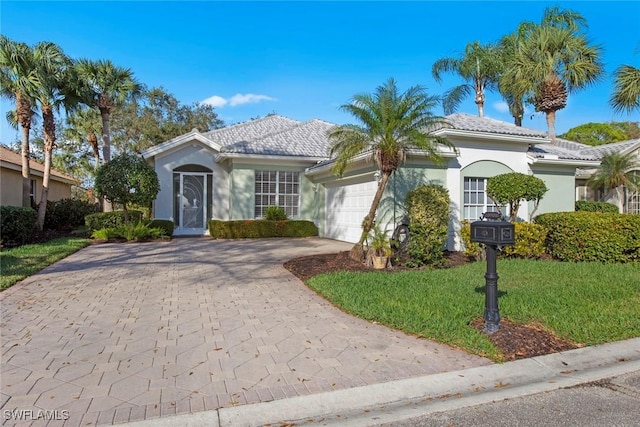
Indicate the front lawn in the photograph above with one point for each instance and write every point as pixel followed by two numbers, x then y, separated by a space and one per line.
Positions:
pixel 23 261
pixel 587 303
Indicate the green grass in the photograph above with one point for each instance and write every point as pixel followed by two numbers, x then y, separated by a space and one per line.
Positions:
pixel 588 303
pixel 23 261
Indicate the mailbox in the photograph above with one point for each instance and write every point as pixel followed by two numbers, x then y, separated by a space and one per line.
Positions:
pixel 501 233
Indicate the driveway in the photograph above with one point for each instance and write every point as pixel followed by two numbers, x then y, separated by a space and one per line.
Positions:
pixel 124 332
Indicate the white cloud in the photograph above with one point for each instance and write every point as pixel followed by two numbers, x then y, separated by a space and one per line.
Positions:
pixel 237 99
pixel 215 101
pixel 249 98
pixel 501 106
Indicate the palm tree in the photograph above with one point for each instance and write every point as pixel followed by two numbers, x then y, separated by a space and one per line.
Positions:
pixel 626 95
pixel 107 86
pixel 83 125
pixel 391 123
pixel 479 67
pixel 554 60
pixel 17 78
pixel 617 172
pixel 52 91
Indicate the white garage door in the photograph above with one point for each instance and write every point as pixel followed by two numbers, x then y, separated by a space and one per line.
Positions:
pixel 346 208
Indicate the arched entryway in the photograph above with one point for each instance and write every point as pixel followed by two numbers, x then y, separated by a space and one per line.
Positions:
pixel 192 198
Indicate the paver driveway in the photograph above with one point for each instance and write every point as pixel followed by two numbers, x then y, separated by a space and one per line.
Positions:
pixel 122 332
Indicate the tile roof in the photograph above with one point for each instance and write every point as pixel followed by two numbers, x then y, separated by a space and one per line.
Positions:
pixel 306 139
pixel 10 156
pixel 250 130
pixel 616 147
pixel 469 122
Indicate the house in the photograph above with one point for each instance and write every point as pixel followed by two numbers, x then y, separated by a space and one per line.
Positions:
pixel 630 200
pixel 60 184
pixel 236 172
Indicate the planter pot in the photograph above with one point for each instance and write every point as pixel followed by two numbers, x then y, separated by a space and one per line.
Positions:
pixel 380 262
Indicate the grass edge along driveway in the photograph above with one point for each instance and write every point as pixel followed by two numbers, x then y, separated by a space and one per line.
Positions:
pixel 23 261
pixel 587 303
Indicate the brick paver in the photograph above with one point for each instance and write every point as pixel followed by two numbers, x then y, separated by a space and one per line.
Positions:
pixel 125 332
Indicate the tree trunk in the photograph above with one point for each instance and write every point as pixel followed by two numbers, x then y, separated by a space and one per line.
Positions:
pixel 517 120
pixel 357 252
pixel 106 150
pixel 26 171
pixel 49 142
pixel 620 197
pixel 551 125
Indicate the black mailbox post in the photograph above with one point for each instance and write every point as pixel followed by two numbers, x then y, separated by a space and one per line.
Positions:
pixel 492 233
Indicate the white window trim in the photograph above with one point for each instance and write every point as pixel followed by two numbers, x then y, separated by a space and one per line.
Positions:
pixel 277 194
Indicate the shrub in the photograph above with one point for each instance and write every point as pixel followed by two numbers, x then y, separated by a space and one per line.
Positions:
pixel 591 206
pixel 512 188
pixel 530 241
pixel 251 228
pixel 17 225
pixel 275 213
pixel 471 249
pixel 113 219
pixel 66 214
pixel 136 231
pixel 164 224
pixel 592 236
pixel 428 212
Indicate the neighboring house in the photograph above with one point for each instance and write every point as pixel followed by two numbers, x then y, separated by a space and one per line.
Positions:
pixel 236 172
pixel 60 184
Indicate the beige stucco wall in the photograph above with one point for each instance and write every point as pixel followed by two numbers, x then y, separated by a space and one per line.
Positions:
pixel 11 188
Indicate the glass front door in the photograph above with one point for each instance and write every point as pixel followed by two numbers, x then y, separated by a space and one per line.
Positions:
pixel 191 201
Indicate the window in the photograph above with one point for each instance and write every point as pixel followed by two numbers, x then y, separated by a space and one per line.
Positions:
pixel 277 188
pixel 476 201
pixel 32 192
pixel 633 199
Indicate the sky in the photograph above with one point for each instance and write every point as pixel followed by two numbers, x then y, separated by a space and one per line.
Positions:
pixel 303 59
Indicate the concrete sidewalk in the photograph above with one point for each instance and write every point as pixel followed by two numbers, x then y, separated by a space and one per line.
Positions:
pixel 117 333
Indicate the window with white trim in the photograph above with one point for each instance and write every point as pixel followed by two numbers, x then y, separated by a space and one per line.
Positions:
pixel 277 188
pixel 32 192
pixel 476 201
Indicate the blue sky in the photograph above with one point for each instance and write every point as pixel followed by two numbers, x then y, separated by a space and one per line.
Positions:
pixel 305 59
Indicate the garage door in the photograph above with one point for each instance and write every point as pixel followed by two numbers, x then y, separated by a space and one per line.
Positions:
pixel 347 206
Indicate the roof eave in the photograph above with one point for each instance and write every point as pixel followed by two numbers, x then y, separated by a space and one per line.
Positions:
pixel 179 140
pixel 564 162
pixel 298 159
pixel 474 134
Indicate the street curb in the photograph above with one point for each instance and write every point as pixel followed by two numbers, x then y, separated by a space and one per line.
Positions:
pixel 366 405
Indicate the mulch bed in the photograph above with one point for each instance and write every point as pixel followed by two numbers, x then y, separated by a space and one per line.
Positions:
pixel 515 341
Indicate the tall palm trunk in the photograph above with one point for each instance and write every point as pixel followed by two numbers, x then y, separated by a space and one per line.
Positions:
pixel 23 112
pixel 357 252
pixel 551 124
pixel 107 206
pixel 49 143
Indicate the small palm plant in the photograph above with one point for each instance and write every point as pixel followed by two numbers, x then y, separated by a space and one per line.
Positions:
pixel 379 242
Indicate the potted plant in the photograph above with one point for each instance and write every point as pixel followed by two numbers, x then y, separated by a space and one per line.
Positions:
pixel 380 247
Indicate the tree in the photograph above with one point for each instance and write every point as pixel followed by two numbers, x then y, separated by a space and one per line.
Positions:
pixel 105 87
pixel 554 60
pixel 17 78
pixel 84 125
pixel 155 117
pixel 52 90
pixel 511 188
pixel 595 134
pixel 127 179
pixel 479 67
pixel 626 94
pixel 616 172
pixel 390 124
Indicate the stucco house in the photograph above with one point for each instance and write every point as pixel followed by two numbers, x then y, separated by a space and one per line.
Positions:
pixel 236 172
pixel 60 184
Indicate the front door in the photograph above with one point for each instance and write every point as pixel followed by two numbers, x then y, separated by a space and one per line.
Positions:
pixel 191 199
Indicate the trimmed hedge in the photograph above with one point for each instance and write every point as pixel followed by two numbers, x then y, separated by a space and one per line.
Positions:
pixel 66 214
pixel 592 236
pixel 17 225
pixel 113 219
pixel 164 224
pixel 257 228
pixel 591 206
